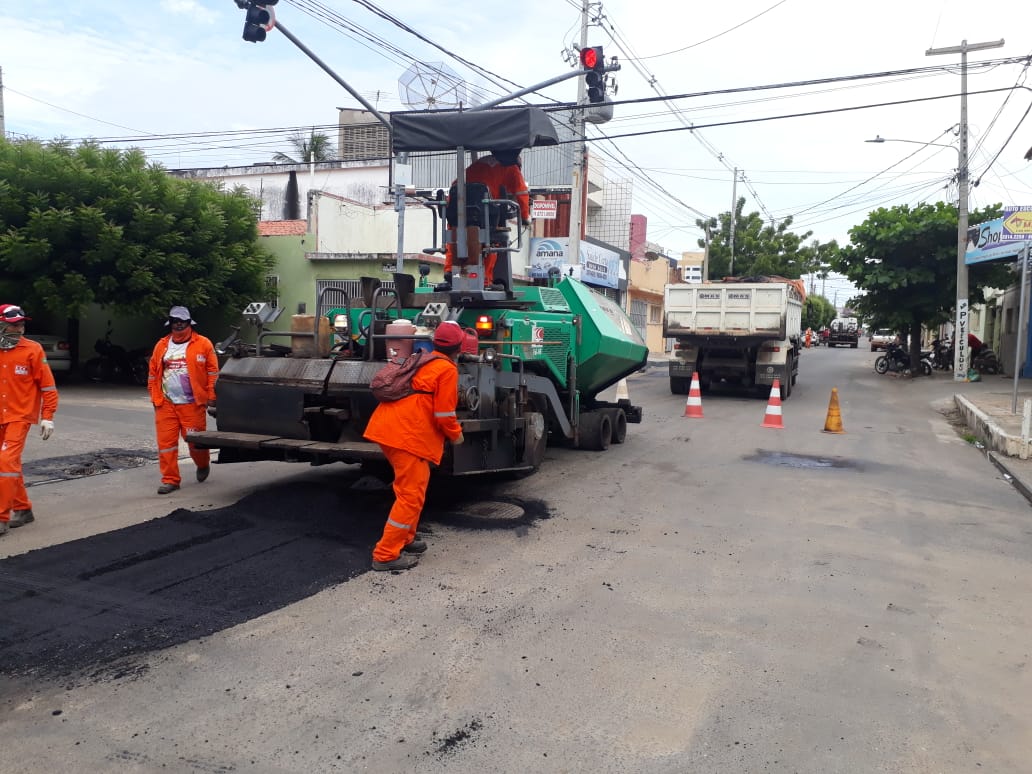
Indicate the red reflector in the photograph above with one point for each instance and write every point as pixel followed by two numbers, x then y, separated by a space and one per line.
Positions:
pixel 772 349
pixel 63 345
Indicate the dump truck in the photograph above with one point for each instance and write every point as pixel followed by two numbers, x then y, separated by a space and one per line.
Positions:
pixel 744 334
pixel 845 332
pixel 532 370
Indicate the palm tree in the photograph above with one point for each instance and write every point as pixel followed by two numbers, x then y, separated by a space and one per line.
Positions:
pixel 308 146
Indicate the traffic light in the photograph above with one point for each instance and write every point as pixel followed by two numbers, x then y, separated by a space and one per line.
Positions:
pixel 258 20
pixel 594 65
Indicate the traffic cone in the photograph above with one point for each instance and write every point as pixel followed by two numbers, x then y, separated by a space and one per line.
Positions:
pixel 693 406
pixel 833 424
pixel 772 416
pixel 621 391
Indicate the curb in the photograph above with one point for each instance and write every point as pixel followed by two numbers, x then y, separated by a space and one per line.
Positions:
pixel 1014 480
pixel 994 436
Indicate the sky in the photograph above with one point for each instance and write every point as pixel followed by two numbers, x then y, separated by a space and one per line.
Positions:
pixel 133 73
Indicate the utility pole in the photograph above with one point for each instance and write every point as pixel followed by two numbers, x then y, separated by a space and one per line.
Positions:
pixel 3 133
pixel 579 156
pixel 960 327
pixel 731 226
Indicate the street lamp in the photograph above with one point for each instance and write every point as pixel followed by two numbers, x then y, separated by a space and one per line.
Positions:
pixel 960 326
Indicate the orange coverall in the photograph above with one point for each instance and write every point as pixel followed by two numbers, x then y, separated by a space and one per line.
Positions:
pixel 174 420
pixel 490 172
pixel 411 432
pixel 27 394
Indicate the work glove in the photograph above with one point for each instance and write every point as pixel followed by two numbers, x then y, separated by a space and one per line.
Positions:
pixel 459 440
pixel 46 428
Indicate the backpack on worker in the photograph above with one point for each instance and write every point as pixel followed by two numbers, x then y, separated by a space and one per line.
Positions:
pixel 394 381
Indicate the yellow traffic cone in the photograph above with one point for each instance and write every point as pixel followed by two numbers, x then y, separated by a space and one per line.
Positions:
pixel 833 424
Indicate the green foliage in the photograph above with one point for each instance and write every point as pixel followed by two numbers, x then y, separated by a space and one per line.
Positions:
pixel 85 225
pixel 905 259
pixel 818 312
pixel 759 248
pixel 308 147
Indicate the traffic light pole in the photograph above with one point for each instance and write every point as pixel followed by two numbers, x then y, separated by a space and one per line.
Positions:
pixel 579 153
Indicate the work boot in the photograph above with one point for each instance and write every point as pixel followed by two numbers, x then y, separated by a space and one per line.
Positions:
pixel 403 562
pixel 203 473
pixel 19 518
pixel 3 528
pixel 417 546
pixel 166 488
pixel 446 285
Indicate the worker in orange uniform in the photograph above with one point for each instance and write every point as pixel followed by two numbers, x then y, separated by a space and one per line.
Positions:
pixel 183 370
pixel 411 432
pixel 27 393
pixel 501 169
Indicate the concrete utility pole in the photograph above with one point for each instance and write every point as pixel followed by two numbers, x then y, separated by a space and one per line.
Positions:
pixel 731 226
pixel 3 133
pixel 960 327
pixel 579 156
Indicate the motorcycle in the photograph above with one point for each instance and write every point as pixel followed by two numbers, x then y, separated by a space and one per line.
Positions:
pixel 897 360
pixel 116 364
pixel 942 354
pixel 985 362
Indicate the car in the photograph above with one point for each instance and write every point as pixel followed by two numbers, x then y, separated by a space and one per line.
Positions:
pixel 881 338
pixel 57 349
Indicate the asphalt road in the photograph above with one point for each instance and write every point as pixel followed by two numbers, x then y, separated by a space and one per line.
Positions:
pixel 710 596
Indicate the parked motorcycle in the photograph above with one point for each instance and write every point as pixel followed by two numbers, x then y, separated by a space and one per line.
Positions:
pixel 942 355
pixel 116 364
pixel 986 362
pixel 897 360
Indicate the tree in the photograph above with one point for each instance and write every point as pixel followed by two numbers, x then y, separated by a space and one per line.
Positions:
pixel 84 225
pixel 758 249
pixel 906 261
pixel 818 312
pixel 308 147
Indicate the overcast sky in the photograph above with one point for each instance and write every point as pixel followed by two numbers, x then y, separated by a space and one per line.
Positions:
pixel 127 68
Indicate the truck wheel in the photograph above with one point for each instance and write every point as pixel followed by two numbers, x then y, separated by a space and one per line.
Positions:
pixel 679 385
pixel 618 421
pixel 595 430
pixel 786 384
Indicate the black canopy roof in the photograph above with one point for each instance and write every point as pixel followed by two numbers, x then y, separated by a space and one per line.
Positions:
pixel 510 128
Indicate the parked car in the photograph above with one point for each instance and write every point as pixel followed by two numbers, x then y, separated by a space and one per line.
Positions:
pixel 881 338
pixel 59 351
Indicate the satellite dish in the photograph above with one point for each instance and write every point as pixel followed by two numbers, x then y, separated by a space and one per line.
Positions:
pixel 432 86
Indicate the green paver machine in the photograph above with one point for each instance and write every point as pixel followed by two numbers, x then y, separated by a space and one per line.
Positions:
pixel 535 361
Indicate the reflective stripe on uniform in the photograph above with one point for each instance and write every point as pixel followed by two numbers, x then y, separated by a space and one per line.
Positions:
pixel 48 389
pixel 444 413
pixel 169 449
pixel 10 475
pixel 398 524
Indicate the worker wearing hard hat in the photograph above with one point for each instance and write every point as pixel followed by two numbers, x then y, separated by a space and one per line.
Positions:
pixel 27 395
pixel 411 432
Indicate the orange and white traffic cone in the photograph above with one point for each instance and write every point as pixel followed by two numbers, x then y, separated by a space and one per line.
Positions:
pixel 693 406
pixel 772 417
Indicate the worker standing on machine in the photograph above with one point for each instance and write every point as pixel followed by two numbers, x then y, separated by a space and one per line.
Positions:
pixel 411 432
pixel 501 169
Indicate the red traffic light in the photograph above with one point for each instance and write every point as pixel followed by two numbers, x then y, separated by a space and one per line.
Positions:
pixel 591 58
